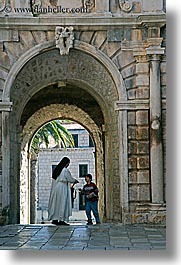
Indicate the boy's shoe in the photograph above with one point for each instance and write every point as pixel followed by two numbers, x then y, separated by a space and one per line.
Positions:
pixel 89 222
pixel 98 223
pixel 55 222
pixel 62 223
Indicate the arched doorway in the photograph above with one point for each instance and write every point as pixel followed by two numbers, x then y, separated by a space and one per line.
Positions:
pixel 35 122
pixel 45 155
pixel 48 79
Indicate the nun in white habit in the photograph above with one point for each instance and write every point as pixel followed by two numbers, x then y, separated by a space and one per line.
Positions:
pixel 60 203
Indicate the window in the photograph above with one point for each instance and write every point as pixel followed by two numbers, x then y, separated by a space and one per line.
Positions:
pixel 91 144
pixel 83 169
pixel 75 137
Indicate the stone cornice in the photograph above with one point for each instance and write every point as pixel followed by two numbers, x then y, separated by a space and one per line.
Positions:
pixel 137 104
pixel 48 23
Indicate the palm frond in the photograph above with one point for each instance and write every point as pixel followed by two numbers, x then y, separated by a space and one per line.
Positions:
pixel 57 131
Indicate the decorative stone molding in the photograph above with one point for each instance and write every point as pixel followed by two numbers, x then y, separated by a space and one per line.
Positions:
pixel 132 105
pixel 64 38
pixel 2 5
pixel 89 4
pixel 142 104
pixel 6 106
pixel 155 125
pixel 125 6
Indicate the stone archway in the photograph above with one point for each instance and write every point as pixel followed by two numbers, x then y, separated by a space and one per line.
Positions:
pixel 42 116
pixel 84 68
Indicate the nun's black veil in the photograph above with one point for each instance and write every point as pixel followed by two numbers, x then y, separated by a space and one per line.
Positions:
pixel 59 167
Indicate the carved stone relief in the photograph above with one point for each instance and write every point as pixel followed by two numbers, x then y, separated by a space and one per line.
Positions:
pixel 89 4
pixel 2 5
pixel 126 6
pixel 64 38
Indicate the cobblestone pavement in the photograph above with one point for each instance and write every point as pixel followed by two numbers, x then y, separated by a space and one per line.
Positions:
pixel 81 237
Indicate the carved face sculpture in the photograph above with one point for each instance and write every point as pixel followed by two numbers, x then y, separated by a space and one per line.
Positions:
pixel 64 39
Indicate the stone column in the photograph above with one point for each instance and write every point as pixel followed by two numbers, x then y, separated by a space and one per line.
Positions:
pixel 154 53
pixel 5 107
pixel 33 188
pixel 123 161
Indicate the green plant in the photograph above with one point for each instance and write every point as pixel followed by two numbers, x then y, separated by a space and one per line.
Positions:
pixel 62 137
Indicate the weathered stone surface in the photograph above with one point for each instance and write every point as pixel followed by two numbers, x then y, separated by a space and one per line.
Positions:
pixel 132 132
pixel 142 133
pixel 142 68
pixel 132 94
pixel 132 148
pixel 163 79
pixel 3 74
pixel 9 35
pixel 143 162
pixel 99 39
pixel 132 162
pixel 144 193
pixel 141 117
pixel 137 7
pixel 1 47
pixel 86 36
pixel 131 117
pixel 14 50
pixel 143 148
pixel 123 59
pixel 130 82
pixel 39 36
pixel 143 176
pixel 133 177
pixel 5 61
pixel 128 71
pixel 27 39
pixel 163 92
pixel 118 35
pixel 156 218
pixel 142 93
pixel 163 67
pixel 142 80
pixel 133 192
pixel 111 48
pixel 153 5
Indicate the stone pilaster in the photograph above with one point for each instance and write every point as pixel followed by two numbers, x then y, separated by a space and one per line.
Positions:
pixel 154 52
pixel 123 161
pixel 142 66
pixel 5 108
pixel 33 189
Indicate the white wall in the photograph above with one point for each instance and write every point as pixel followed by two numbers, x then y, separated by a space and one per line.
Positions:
pixel 49 157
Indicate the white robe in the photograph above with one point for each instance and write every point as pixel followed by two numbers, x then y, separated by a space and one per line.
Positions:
pixel 60 203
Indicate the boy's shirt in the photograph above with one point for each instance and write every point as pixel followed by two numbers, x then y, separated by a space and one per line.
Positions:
pixel 91 192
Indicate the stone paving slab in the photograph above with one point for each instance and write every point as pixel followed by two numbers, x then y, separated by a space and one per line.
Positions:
pixel 82 237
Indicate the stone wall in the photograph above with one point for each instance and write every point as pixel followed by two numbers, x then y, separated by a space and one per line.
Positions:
pixel 49 157
pixel 138 153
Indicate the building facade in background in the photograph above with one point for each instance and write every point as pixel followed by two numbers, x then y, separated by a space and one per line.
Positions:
pixel 82 161
pixel 105 69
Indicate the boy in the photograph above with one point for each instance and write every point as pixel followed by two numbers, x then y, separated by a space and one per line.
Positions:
pixel 90 191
